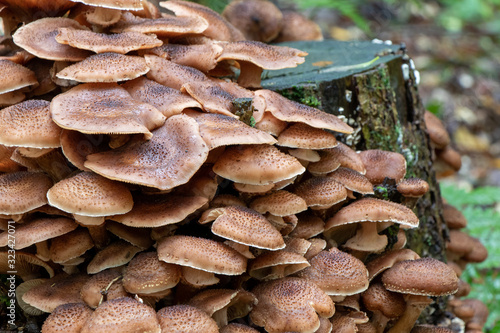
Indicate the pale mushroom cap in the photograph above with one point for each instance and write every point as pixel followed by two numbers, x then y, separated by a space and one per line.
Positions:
pixel 337 273
pixel 245 226
pixel 290 111
pixel 221 130
pixel 321 191
pixel 56 291
pixel 146 274
pixel 290 304
pixel 159 210
pixel 105 67
pixel 29 124
pixel 171 74
pixel 38 38
pixel 167 100
pixel 106 108
pixel 280 203
pixel 23 191
pixel 237 328
pixel 413 187
pixel 89 194
pixel 202 57
pixel 68 318
pixel 185 319
pixel 15 76
pixel 115 4
pixel 256 165
pixel 99 42
pixel 200 253
pixel 114 255
pixel 424 276
pixel 374 210
pixel 381 164
pixel 169 159
pixel 122 315
pixel 301 135
pixel 38 230
pixel 437 131
pixel 70 245
pixel 352 180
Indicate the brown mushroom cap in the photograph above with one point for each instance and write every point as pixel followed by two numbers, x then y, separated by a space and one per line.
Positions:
pixel 381 164
pixel 23 191
pixel 38 38
pixel 68 318
pixel 280 203
pixel 169 159
pixel 124 315
pixel 115 4
pixel 352 180
pixel 321 192
pixel 290 111
pixel 244 226
pixel 301 135
pixel 89 194
pixel 171 74
pixel 337 273
pixel 413 187
pixel 220 130
pixel 61 289
pixel 29 124
pixel 105 67
pixel 14 77
pixel 256 165
pixel 95 108
pixel 103 286
pixel 297 27
pixel 202 56
pixel 424 276
pixel 308 226
pixel 257 19
pixel 70 245
pixel 28 266
pixel 387 260
pixel 185 319
pixel 140 237
pixel 99 42
pixel 290 304
pixel 116 254
pixel 200 253
pixel 454 218
pixel 437 132
pixel 276 264
pixel 332 159
pixel 237 328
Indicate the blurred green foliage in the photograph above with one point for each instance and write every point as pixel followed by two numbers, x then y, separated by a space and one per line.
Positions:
pixel 480 206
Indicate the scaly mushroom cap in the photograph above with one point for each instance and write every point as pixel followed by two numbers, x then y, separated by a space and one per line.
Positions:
pixel 276 264
pixel 244 226
pixel 301 135
pixel 89 194
pixel 454 218
pixel 140 237
pixel 68 318
pixel 280 203
pixel 352 180
pixel 202 57
pixel 105 67
pixel 104 108
pixel 424 276
pixel 203 254
pixel 107 281
pixel 437 132
pixel 99 42
pixel 11 97
pixel 387 260
pixel 374 210
pixel 297 27
pixel 170 74
pixel 377 298
pixel 114 4
pixel 167 100
pixel 123 314
pixel 159 210
pixel 165 27
pixel 332 159
pixel 431 329
pixel 237 328
pixel 14 77
pixel 56 291
pixel 70 245
pixel 116 254
pixel 337 273
pixel 38 38
pixel 169 159
pixel 309 225
pixel 381 164
pixel 217 27
pixel 321 192
pixel 256 165
pixel 23 191
pixel 413 187
pixel 146 274
pixel 290 111
pixel 290 304
pixel 220 130
pixel 38 230
pixel 29 124
pixel 258 20
pixel 185 319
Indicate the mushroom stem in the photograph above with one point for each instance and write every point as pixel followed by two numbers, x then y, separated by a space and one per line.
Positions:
pixel 414 306
pixel 367 238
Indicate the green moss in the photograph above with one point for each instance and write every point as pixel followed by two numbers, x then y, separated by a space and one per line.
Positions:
pixel 306 94
pixel 243 108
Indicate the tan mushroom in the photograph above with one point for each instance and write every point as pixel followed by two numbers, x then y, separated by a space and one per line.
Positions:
pixel 116 254
pixel 76 146
pixel 103 286
pixel 68 318
pixel 280 203
pixel 114 4
pixel 27 266
pixel 301 135
pixel 171 74
pixel 332 159
pixel 70 246
pixel 276 264
pixel 185 319
pixel 436 130
pixel 139 237
pixel 381 164
pixel 321 192
pixel 14 77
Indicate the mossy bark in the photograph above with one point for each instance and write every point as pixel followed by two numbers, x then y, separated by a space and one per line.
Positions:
pixel 386 112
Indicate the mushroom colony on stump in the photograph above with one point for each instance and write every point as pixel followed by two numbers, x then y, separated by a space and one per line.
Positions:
pixel 154 186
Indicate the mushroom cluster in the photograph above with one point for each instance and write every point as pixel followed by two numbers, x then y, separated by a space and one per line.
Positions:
pixel 152 190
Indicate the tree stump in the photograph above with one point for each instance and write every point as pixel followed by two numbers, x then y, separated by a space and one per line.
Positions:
pixel 373 87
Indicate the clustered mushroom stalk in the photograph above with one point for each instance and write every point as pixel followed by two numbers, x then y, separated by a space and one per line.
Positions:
pixel 125 163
